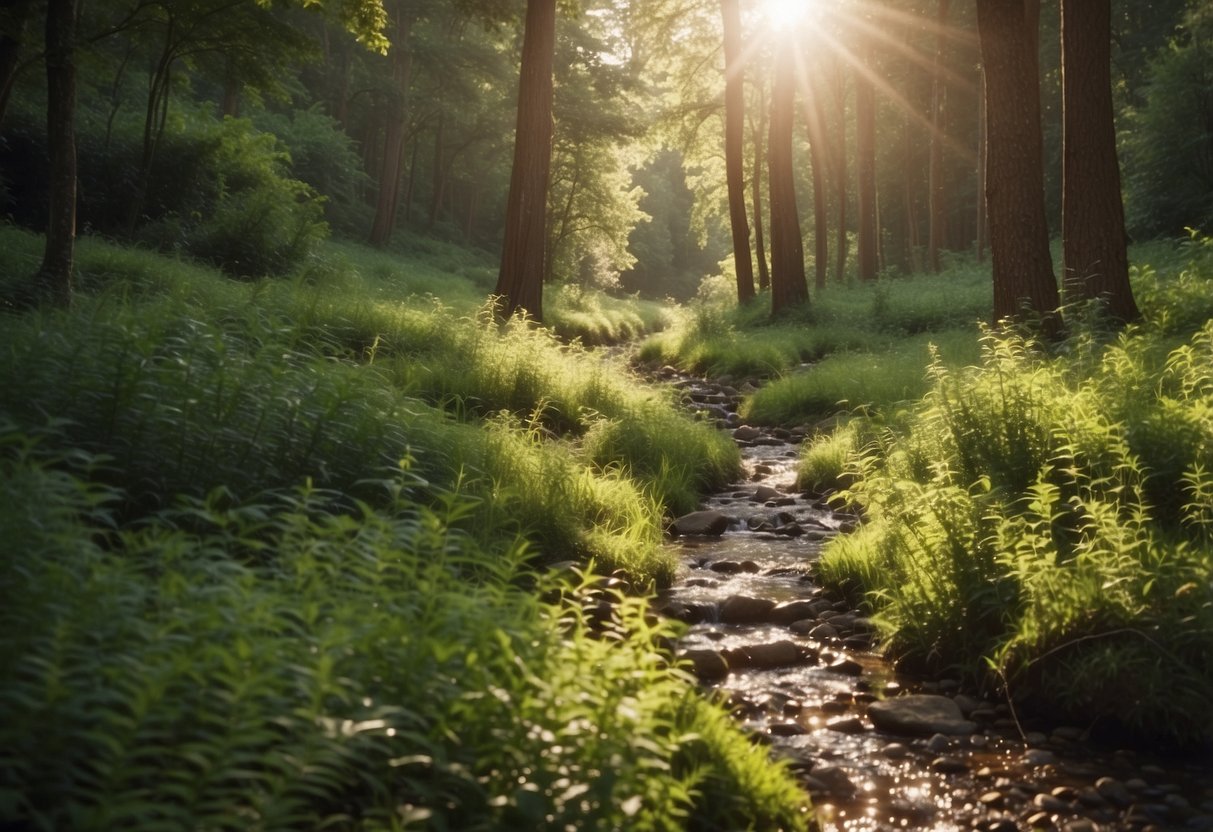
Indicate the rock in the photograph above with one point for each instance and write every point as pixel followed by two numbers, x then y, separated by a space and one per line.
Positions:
pixel 803 627
pixel 991 799
pixel 1081 825
pixel 846 725
pixel 1038 757
pixel 775 654
pixel 707 664
pixel 1049 803
pixel 791 611
pixel 1113 791
pixel 790 530
pixel 919 715
pixel 847 667
pixel 823 632
pixel 938 744
pixel 967 704
pixel 1040 820
pixel 834 779
pixel 895 751
pixel 786 729
pixel 949 765
pixel 746 433
pixel 726 567
pixel 742 609
pixel 765 493
pixel 1035 738
pixel 700 524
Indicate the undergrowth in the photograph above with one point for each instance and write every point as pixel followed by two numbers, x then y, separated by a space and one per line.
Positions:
pixel 1041 522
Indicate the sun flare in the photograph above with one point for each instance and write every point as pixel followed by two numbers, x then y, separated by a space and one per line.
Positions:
pixel 783 14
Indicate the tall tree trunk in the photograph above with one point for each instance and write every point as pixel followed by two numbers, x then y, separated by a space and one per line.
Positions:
pixel 911 209
pixel 388 197
pixel 1019 233
pixel 865 167
pixel 980 232
pixel 734 151
pixel 760 239
pixel 13 16
pixel 788 284
pixel 840 175
pixel 520 280
pixel 438 174
pixel 53 282
pixel 1096 264
pixel 412 178
pixel 815 117
pixel 230 106
pixel 936 190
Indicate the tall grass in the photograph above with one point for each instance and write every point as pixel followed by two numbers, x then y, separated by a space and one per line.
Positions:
pixel 1047 515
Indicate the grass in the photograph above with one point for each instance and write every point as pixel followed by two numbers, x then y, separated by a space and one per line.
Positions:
pixel 280 548
pixel 1039 523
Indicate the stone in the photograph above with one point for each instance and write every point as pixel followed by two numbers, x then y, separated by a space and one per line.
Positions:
pixel 765 493
pixel 707 664
pixel 1114 791
pixel 847 667
pixel 949 765
pixel 726 567
pixel 786 729
pixel 1049 803
pixel 803 627
pixel 775 654
pixel 991 799
pixel 938 743
pixel 742 609
pixel 896 751
pixel 834 779
pixel 700 524
pixel 823 632
pixel 846 725
pixel 919 715
pixel 790 530
pixel 1041 820
pixel 1081 825
pixel 791 611
pixel 746 433
pixel 1038 757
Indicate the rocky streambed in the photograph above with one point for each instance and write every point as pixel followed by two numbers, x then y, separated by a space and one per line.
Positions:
pixel 875 750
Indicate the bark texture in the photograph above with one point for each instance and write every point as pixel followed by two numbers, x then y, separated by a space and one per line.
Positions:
pixel 1096 264
pixel 53 281
pixel 520 280
pixel 1019 233
pixel 788 284
pixel 734 150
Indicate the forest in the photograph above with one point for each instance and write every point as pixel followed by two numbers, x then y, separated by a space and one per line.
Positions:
pixel 606 414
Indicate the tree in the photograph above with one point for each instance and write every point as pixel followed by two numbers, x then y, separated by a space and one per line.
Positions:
pixel 1096 264
pixel 387 198
pixel 815 119
pixel 788 284
pixel 865 167
pixel 520 280
pixel 936 188
pixel 734 152
pixel 1019 233
pixel 53 281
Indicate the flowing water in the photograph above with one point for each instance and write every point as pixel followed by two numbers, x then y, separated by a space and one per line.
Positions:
pixel 799 670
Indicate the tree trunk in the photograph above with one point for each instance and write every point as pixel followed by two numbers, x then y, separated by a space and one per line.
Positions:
pixel 13 16
pixel 388 197
pixel 1096 264
pixel 438 172
pixel 53 282
pixel 760 240
pixel 1019 233
pixel 788 285
pixel 936 190
pixel 840 176
pixel 817 164
pixel 734 151
pixel 865 166
pixel 980 231
pixel 912 240
pixel 520 280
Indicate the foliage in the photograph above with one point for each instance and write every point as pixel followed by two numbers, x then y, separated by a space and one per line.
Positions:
pixel 1047 513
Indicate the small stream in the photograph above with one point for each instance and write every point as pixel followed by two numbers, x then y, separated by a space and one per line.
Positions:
pixel 799 671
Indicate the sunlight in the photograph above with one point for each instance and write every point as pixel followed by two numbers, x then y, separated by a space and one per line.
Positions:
pixel 784 14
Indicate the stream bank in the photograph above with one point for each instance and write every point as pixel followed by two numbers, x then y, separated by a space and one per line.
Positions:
pixel 877 750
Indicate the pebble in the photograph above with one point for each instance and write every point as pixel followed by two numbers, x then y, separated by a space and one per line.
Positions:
pixel 938 743
pixel 949 765
pixel 1049 803
pixel 1041 820
pixel 895 751
pixel 1113 791
pixel 1081 825
pixel 846 725
pixel 1038 757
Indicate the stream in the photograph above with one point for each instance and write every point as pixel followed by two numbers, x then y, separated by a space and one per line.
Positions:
pixel 799 671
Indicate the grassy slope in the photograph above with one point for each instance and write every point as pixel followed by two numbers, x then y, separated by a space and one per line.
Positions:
pixel 274 543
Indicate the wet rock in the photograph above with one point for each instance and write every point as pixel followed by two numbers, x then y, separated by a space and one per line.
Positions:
pixel 846 725
pixel 834 779
pixel 847 667
pixel 742 609
pixel 775 654
pixel 1038 757
pixel 790 530
pixel 895 751
pixel 1040 820
pixel 949 765
pixel 938 743
pixel 966 703
pixel 992 799
pixel 1081 825
pixel 790 612
pixel 764 493
pixel 919 715
pixel 746 433
pixel 688 613
pixel 803 627
pixel 708 665
pixel 1049 803
pixel 835 707
pixel 786 729
pixel 700 524
pixel 823 632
